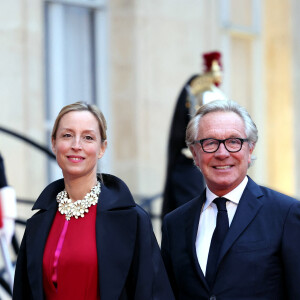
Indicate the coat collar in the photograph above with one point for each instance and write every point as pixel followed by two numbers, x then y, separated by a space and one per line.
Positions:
pixel 116 186
pixel 113 220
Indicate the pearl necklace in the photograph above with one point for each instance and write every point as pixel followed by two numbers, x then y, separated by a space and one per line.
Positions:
pixel 80 207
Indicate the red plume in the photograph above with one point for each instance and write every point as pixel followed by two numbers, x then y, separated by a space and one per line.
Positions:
pixel 209 58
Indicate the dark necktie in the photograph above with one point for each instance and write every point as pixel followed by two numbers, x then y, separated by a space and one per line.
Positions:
pixel 219 234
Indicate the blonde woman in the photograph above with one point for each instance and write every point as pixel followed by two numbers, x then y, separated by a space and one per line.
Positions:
pixel 88 240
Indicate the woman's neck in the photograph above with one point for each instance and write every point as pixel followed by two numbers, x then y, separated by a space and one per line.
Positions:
pixel 78 187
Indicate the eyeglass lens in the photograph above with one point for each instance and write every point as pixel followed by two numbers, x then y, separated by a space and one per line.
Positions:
pixel 212 145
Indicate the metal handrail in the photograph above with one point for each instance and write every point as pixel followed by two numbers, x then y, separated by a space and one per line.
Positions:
pixel 29 141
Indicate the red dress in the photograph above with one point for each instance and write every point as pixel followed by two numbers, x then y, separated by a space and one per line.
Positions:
pixel 70 264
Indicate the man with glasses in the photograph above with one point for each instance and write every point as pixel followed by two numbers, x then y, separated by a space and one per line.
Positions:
pixel 237 240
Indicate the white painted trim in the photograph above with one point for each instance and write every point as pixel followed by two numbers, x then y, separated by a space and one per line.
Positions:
pixel 226 24
pixel 85 3
pixel 56 76
pixel 102 81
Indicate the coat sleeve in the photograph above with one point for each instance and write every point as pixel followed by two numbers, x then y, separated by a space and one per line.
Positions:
pixel 148 278
pixel 21 289
pixel 165 251
pixel 290 252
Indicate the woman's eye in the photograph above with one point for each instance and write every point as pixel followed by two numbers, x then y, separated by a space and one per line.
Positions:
pixel 66 135
pixel 89 138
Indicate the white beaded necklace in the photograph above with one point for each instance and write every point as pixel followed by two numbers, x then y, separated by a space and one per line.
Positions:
pixel 80 207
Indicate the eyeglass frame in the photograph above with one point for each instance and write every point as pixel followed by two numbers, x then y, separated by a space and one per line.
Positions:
pixel 221 142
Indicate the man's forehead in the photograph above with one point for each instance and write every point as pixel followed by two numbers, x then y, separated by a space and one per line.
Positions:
pixel 224 117
pixel 224 123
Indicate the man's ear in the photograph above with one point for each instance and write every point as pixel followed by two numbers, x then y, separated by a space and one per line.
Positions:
pixel 193 151
pixel 251 149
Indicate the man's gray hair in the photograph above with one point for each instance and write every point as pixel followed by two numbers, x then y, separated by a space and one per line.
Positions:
pixel 222 106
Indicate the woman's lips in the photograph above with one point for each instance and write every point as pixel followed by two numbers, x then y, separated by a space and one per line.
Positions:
pixel 75 158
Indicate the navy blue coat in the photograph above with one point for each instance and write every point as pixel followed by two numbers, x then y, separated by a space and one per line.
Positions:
pixel 260 257
pixel 129 261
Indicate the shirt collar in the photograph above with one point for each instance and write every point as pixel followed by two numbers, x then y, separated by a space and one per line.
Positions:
pixel 233 196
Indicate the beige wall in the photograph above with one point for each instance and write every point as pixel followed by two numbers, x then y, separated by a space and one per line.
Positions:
pixel 162 46
pixel 155 46
pixel 279 100
pixel 22 100
pixel 22 93
pixel 295 23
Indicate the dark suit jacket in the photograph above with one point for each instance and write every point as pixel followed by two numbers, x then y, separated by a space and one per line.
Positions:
pixel 129 260
pixel 260 257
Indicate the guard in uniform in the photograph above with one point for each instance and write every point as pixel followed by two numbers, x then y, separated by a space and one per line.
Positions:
pixel 183 180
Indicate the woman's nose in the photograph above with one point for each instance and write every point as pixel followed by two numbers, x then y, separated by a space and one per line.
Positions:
pixel 76 143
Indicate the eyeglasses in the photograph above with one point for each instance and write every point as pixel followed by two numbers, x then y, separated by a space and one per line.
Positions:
pixel 212 145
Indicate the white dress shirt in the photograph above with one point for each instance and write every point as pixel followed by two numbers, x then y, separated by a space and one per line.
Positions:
pixel 208 217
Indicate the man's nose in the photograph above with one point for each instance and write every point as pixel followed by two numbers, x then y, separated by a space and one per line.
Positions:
pixel 222 151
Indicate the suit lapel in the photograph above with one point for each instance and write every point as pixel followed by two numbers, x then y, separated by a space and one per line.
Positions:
pixel 191 230
pixel 247 209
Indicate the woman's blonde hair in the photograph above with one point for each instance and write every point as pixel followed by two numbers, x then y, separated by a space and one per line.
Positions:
pixel 82 106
